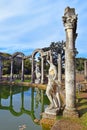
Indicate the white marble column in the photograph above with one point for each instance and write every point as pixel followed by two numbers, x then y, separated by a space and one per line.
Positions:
pixel 59 68
pixel 70 22
pixel 11 73
pixel 42 70
pixel 85 70
pixel 22 73
pixel 32 70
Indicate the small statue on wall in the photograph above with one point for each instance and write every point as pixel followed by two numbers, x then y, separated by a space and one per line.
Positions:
pixel 37 73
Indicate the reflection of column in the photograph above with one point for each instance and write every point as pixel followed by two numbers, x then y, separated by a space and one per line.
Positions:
pixel 42 70
pixel 11 97
pixel 59 68
pixel 32 71
pixel 32 99
pixel 11 74
pixel 70 21
pixel 22 73
pixel 85 70
pixel 22 98
pixel 42 100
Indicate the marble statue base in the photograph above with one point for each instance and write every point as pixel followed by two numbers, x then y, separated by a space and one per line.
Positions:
pixel 53 111
pixel 37 81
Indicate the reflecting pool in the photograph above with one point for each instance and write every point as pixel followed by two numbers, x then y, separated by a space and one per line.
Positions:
pixel 20 106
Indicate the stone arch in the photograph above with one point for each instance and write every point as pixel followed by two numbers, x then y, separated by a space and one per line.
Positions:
pixel 42 64
pixel 12 59
pixel 36 51
pixel 18 53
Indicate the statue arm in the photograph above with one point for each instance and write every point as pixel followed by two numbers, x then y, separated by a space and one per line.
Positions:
pixel 48 61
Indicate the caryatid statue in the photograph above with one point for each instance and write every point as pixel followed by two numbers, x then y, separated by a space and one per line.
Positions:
pixel 52 91
pixel 37 73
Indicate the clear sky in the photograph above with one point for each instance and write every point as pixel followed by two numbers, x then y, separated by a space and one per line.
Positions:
pixel 26 25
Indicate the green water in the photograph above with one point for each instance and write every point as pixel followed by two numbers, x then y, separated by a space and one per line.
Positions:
pixel 21 106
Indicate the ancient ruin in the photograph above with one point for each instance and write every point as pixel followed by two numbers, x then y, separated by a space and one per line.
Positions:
pixel 70 24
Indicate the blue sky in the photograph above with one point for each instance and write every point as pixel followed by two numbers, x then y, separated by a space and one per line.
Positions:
pixel 26 25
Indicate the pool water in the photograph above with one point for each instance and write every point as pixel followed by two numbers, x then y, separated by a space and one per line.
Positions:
pixel 20 106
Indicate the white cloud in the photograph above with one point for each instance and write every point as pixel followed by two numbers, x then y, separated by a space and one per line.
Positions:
pixel 22 19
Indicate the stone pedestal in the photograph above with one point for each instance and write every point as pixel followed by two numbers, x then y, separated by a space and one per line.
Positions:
pixel 53 111
pixel 37 81
pixel 70 23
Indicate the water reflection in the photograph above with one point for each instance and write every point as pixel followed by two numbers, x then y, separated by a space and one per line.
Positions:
pixel 36 102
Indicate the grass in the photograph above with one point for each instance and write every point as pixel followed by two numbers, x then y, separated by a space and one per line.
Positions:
pixel 82 110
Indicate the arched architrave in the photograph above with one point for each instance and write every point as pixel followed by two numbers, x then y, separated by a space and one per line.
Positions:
pixel 42 65
pixel 18 53
pixel 12 58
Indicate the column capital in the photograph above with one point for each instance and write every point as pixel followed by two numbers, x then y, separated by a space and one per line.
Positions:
pixel 70 19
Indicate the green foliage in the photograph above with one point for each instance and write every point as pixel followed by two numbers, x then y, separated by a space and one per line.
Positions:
pixel 80 64
pixel 27 66
pixel 56 48
pixel 6 67
pixel 17 64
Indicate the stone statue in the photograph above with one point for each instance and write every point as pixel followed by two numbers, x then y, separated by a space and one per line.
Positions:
pixel 37 73
pixel 52 90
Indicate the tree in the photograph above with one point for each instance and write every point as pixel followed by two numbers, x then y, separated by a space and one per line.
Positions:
pixel 80 64
pixel 56 48
pixel 27 66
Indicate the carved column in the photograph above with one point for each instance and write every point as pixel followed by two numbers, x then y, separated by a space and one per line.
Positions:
pixel 11 73
pixel 85 70
pixel 32 70
pixel 22 74
pixel 70 23
pixel 59 68
pixel 42 70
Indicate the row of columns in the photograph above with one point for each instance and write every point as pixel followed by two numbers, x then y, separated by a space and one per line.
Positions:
pixel 42 70
pixel 22 107
pixel 42 66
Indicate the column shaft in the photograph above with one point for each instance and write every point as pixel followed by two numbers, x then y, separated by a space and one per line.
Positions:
pixel 32 71
pixel 59 68
pixel 70 23
pixel 11 73
pixel 85 70
pixel 22 74
pixel 42 70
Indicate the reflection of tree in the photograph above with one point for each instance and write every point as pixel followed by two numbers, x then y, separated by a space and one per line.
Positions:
pixel 23 109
